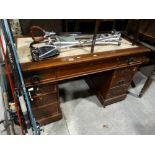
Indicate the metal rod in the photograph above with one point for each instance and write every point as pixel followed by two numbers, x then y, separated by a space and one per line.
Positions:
pixel 34 124
pixel 12 87
pixel 136 35
pixel 94 37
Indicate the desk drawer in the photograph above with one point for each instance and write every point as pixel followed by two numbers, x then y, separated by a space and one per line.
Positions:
pixel 123 76
pixel 46 111
pixel 36 78
pixel 117 91
pixel 129 60
pixel 43 100
pixel 85 68
pixel 44 88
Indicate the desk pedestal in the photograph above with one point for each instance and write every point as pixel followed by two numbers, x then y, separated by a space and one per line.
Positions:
pixel 112 86
pixel 45 103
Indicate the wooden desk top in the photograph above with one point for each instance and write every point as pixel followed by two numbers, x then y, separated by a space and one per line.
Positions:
pixel 75 55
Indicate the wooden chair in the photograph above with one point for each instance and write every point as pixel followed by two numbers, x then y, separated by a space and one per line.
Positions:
pixel 144 31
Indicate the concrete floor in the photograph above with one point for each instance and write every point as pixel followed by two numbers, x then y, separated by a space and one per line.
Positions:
pixel 83 114
pixel 2 128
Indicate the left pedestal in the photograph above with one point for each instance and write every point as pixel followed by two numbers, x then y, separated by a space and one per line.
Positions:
pixel 45 103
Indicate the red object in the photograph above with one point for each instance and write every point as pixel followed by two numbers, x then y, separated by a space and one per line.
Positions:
pixel 37 29
pixel 12 87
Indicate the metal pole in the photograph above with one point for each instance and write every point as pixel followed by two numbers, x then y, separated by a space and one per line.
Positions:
pixel 94 37
pixel 12 87
pixel 33 121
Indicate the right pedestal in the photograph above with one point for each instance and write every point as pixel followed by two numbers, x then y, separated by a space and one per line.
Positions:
pixel 111 86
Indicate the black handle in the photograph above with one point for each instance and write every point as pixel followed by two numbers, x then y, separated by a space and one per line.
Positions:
pixel 35 79
pixel 130 60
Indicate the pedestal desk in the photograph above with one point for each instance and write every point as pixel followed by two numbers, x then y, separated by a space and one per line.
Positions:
pixel 108 71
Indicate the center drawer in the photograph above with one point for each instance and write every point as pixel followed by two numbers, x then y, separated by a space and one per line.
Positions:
pixel 85 68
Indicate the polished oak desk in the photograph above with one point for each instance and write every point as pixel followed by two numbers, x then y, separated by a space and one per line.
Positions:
pixel 109 71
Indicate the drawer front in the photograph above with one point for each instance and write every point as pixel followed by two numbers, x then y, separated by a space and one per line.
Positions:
pixel 46 111
pixel 130 60
pixel 44 88
pixel 117 91
pixel 43 100
pixel 123 76
pixel 85 68
pixel 50 119
pixel 36 78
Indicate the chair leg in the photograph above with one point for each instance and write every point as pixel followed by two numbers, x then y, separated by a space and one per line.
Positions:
pixel 133 84
pixel 146 86
pixel 147 83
